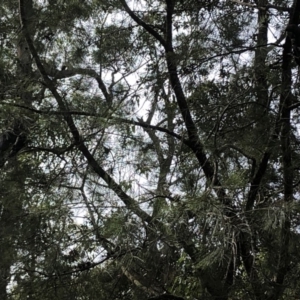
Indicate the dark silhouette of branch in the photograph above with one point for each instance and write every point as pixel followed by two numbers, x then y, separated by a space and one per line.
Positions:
pixel 287 161
pixel 127 200
pixel 115 119
pixel 140 22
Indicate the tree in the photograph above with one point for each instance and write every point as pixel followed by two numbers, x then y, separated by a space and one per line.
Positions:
pixel 150 149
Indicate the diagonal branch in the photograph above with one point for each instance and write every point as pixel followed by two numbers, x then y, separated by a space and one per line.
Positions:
pixel 69 72
pixel 127 200
pixel 193 141
pixel 140 22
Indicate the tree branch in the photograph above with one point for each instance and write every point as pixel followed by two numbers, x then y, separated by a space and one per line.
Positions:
pixel 69 72
pixel 287 162
pixel 141 123
pixel 140 22
pixel 130 203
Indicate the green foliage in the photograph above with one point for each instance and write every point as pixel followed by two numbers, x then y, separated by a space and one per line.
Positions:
pixel 140 164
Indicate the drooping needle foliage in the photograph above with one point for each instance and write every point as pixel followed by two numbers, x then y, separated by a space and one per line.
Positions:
pixel 149 149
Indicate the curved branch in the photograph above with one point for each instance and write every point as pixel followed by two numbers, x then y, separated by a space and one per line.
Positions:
pixel 100 116
pixel 69 72
pixel 238 149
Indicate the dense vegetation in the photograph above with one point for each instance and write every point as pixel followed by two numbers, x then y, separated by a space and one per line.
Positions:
pixel 149 149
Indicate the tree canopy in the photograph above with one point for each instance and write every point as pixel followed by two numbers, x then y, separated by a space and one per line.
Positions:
pixel 149 149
